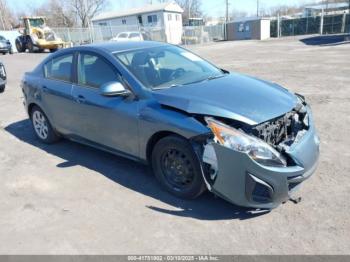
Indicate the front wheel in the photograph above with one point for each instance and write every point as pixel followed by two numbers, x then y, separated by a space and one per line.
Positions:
pixel 42 126
pixel 177 168
pixel 2 88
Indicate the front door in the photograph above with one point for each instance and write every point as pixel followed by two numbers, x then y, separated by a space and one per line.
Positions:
pixel 108 121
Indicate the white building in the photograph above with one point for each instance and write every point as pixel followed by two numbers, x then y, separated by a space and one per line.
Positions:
pixel 163 22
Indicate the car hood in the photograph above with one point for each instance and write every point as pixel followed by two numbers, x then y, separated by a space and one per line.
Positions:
pixel 234 96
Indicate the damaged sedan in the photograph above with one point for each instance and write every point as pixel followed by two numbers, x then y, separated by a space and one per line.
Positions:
pixel 199 127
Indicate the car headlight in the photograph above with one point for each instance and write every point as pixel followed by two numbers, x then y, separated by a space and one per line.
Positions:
pixel 237 140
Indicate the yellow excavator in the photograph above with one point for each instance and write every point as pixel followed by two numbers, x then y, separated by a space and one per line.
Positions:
pixel 37 36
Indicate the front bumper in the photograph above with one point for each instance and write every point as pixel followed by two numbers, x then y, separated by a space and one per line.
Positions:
pixel 5 49
pixel 245 182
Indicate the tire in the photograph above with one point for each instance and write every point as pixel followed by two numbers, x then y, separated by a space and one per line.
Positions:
pixel 11 51
pixel 19 46
pixel 53 50
pixel 30 46
pixel 2 88
pixel 42 127
pixel 177 168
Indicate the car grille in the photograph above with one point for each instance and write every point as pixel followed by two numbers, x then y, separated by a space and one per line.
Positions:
pixel 282 129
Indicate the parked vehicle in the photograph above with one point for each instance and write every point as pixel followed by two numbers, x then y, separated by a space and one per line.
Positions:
pixel 5 46
pixel 246 140
pixel 37 36
pixel 3 77
pixel 128 36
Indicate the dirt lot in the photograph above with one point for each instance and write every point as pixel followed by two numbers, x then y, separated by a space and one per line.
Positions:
pixel 69 199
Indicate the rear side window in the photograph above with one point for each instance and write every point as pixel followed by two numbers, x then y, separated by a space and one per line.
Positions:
pixel 94 71
pixel 59 68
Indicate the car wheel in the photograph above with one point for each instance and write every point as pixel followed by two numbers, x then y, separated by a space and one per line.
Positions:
pixel 42 126
pixel 3 53
pixel 177 168
pixel 11 51
pixel 2 88
pixel 30 46
pixel 19 46
pixel 53 50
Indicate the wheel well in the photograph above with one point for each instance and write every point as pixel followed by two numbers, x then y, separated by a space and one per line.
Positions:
pixel 154 140
pixel 30 108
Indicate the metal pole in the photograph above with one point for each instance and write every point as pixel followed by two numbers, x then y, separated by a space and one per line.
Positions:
pixel 321 23
pixel 257 8
pixel 226 16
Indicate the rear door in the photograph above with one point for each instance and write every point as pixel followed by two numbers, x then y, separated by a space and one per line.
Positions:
pixel 108 121
pixel 56 89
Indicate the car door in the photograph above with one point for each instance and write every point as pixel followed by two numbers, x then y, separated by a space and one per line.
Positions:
pixel 108 121
pixel 56 86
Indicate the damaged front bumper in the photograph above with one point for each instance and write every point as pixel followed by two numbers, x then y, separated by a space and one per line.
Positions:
pixel 243 181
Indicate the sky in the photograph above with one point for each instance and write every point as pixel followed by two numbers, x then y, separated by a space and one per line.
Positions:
pixel 210 7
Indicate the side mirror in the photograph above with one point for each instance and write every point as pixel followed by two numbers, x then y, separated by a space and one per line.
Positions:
pixel 114 89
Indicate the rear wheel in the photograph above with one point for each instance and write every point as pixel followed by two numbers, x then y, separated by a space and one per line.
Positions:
pixel 177 168
pixel 42 126
pixel 30 46
pixel 2 88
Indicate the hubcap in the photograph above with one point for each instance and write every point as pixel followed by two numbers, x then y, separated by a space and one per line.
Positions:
pixel 40 125
pixel 177 169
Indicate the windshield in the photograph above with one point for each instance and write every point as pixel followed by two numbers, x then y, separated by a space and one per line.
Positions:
pixel 162 67
pixel 36 22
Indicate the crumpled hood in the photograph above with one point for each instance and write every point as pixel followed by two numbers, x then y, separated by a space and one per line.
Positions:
pixel 234 96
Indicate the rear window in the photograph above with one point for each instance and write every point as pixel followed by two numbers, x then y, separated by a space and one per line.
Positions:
pixel 134 35
pixel 123 35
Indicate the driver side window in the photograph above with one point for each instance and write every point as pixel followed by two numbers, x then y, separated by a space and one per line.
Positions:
pixel 94 71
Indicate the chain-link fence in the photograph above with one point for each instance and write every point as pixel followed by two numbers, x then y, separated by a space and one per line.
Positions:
pixel 328 24
pixel 190 34
pixel 202 34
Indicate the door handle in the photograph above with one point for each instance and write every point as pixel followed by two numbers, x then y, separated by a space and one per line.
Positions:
pixel 80 99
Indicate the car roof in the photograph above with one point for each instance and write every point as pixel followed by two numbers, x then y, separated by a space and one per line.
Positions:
pixel 113 47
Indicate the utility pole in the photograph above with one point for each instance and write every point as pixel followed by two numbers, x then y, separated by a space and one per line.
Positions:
pixel 226 16
pixel 257 8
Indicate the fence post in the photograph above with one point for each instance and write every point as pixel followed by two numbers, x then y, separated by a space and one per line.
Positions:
pixel 343 23
pixel 278 26
pixel 321 23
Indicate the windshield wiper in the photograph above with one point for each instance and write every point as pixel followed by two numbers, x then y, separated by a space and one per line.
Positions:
pixel 215 77
pixel 165 87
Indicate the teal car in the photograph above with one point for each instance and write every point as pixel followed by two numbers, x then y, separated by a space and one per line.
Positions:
pixel 199 127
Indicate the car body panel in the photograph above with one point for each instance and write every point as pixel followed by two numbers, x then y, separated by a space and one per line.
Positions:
pixel 227 97
pixel 109 121
pixel 234 169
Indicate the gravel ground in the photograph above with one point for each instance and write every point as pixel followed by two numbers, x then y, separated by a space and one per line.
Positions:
pixel 70 199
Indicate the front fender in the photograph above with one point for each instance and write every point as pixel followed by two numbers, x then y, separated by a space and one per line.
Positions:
pixel 154 118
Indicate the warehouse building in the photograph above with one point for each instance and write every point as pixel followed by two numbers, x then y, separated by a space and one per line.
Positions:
pixel 164 18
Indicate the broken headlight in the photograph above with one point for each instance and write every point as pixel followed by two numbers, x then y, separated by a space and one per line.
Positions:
pixel 237 140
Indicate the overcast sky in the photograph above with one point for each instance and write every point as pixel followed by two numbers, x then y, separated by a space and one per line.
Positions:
pixel 210 7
